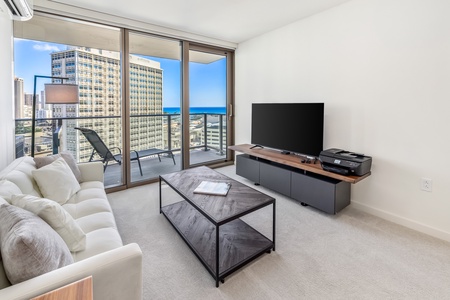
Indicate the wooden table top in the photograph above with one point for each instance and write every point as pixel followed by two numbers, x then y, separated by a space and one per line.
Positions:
pixel 240 199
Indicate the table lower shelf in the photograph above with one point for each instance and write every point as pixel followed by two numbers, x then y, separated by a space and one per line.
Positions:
pixel 239 242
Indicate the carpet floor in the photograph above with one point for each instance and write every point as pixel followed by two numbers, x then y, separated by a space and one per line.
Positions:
pixel 351 255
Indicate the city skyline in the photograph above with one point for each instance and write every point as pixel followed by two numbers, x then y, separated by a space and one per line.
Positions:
pixel 207 86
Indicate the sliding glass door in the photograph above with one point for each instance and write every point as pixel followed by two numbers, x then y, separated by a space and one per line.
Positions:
pixel 208 102
pixel 154 99
pixel 158 104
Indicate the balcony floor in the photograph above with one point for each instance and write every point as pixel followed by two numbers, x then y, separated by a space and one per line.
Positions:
pixel 152 167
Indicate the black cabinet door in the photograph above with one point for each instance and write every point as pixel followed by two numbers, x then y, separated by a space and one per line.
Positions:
pixel 275 178
pixel 247 167
pixel 328 195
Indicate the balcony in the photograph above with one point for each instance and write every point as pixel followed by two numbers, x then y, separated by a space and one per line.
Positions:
pixel 207 141
pixel 152 167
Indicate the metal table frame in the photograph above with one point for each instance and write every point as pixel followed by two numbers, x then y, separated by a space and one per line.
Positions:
pixel 216 273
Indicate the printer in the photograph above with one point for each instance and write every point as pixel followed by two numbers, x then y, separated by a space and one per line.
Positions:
pixel 345 162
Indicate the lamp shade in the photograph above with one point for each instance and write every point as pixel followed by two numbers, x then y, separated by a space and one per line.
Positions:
pixel 61 93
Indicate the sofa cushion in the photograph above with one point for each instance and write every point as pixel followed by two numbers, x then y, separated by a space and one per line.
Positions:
pixel 89 200
pixel 8 188
pixel 56 181
pixel 99 241
pixel 42 161
pixel 91 210
pixel 29 246
pixel 19 172
pixel 55 216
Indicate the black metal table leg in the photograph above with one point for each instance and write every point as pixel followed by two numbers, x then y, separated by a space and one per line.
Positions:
pixel 217 256
pixel 160 195
pixel 273 226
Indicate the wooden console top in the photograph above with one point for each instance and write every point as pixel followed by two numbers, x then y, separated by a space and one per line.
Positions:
pixel 293 161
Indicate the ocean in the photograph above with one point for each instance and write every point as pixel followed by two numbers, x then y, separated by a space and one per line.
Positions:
pixel 196 110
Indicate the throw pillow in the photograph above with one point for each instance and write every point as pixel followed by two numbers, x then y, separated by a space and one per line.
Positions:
pixel 41 161
pixel 29 246
pixel 3 201
pixel 55 216
pixel 56 181
pixel 8 188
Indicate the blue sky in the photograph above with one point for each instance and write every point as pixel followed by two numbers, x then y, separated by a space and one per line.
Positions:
pixel 207 81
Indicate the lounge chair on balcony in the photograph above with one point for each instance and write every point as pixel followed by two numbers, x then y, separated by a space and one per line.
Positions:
pixel 115 154
pixel 100 148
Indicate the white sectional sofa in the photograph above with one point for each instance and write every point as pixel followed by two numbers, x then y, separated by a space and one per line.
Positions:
pixel 116 269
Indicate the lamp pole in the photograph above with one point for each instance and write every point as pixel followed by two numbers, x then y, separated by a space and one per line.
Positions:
pixel 33 113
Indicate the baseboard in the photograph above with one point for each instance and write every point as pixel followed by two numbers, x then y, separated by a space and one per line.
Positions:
pixel 402 221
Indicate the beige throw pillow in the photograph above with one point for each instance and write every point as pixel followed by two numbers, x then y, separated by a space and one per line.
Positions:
pixel 8 188
pixel 29 246
pixel 55 216
pixel 56 181
pixel 41 161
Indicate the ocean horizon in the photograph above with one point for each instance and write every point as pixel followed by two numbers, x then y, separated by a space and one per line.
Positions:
pixel 196 110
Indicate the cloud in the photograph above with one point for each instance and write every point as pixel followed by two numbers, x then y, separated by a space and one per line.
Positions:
pixel 45 47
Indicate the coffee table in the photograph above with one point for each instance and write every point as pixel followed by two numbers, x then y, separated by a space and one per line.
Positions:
pixel 211 225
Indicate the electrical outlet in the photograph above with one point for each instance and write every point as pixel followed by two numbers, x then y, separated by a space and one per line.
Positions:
pixel 427 184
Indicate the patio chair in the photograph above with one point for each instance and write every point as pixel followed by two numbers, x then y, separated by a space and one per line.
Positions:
pixel 106 154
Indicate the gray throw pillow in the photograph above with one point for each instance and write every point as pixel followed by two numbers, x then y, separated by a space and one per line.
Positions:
pixel 42 161
pixel 29 246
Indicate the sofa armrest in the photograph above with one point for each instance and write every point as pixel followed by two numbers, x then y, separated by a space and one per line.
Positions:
pixel 116 275
pixel 91 171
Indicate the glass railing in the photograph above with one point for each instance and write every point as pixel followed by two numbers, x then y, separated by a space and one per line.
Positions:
pixel 208 131
pixel 163 131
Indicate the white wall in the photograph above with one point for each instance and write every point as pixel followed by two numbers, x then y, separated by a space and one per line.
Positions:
pixel 6 92
pixel 382 67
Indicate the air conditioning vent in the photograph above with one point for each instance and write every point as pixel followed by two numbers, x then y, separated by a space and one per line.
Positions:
pixel 20 10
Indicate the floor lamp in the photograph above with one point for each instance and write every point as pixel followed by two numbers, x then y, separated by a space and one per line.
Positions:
pixel 55 93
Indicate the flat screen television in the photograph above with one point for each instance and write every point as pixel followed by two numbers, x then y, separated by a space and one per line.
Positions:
pixel 290 127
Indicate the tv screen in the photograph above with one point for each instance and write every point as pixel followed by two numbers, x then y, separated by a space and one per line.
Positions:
pixel 290 127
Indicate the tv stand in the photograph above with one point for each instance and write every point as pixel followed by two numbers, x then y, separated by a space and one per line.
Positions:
pixel 305 182
pixel 256 146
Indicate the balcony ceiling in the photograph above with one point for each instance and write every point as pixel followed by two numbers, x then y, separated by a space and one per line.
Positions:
pixel 228 20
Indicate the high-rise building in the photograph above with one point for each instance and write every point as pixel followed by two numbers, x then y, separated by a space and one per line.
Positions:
pixel 42 100
pixel 19 100
pixel 98 74
pixel 28 99
pixel 216 136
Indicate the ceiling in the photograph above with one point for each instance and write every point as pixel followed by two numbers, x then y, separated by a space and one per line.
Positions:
pixel 227 20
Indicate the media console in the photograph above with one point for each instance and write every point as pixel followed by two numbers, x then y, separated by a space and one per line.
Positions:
pixel 307 183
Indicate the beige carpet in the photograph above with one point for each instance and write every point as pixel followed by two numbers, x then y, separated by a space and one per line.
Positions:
pixel 351 255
